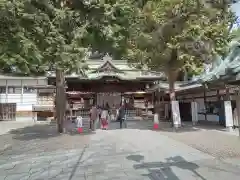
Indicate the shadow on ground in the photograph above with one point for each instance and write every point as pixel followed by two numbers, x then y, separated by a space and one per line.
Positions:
pixel 37 131
pixel 163 170
pixel 44 131
pixel 148 125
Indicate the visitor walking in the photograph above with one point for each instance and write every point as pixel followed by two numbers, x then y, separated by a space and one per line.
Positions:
pixel 122 116
pixel 93 117
pixel 104 118
pixel 79 124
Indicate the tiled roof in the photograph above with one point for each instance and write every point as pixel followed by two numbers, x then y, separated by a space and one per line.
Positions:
pixel 228 69
pixel 100 68
pixel 179 86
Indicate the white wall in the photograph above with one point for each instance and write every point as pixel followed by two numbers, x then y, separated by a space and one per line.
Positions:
pixel 27 98
pixel 23 82
pixel 24 101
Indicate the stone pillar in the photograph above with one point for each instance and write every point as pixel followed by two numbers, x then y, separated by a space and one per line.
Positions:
pixel 228 115
pixel 194 109
pixel 228 111
pixel 176 114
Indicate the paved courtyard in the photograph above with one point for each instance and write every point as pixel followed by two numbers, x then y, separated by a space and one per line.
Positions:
pixel 136 153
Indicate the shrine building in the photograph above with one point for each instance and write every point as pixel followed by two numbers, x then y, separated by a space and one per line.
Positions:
pixel 110 81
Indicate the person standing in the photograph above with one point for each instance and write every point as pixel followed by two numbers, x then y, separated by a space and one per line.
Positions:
pixel 122 116
pixel 104 118
pixel 93 117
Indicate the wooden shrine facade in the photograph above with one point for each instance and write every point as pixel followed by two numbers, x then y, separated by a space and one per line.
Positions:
pixel 110 81
pixel 107 84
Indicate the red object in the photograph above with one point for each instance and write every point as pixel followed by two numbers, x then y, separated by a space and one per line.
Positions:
pixel 155 126
pixel 104 123
pixel 80 130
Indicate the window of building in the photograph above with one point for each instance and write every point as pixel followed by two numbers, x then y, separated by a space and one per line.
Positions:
pixel 11 90
pixel 2 90
pixel 18 90
pixel 29 90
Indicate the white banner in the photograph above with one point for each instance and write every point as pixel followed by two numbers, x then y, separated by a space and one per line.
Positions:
pixel 194 109
pixel 228 113
pixel 176 114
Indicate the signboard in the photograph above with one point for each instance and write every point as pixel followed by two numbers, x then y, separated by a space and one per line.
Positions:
pixel 43 108
pixel 48 90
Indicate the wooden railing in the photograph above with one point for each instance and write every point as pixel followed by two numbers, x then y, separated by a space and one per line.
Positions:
pixel 85 113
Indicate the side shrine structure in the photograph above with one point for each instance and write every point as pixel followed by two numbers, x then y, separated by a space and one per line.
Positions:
pixel 212 97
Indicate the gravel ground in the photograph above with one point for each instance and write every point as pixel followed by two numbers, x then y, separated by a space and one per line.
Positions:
pixel 215 143
pixel 42 137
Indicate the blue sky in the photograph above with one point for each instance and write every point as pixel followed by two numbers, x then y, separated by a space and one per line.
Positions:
pixel 236 8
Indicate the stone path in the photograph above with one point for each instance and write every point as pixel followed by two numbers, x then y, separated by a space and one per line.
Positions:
pixel 136 153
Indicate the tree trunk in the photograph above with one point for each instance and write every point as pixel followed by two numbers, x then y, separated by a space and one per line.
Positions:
pixel 175 113
pixel 60 99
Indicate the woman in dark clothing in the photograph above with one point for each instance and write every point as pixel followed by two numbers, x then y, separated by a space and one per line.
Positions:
pixel 121 116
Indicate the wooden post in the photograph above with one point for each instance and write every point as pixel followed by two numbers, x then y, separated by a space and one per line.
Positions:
pixel 205 102
pixel 238 109
pixel 227 97
pixel 60 99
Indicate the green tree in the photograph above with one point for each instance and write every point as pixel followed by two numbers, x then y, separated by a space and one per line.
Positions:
pixel 235 34
pixel 180 35
pixel 107 24
pixel 46 35
pixel 38 36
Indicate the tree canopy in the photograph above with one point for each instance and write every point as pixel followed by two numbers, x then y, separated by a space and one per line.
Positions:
pixel 37 36
pixel 40 35
pixel 180 35
pixel 235 34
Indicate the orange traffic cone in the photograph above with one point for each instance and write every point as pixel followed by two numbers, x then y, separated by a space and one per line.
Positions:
pixel 155 122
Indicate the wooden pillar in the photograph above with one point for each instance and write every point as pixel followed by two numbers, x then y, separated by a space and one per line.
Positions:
pixel 60 99
pixel 6 96
pixel 238 109
pixel 153 94
pixel 205 102
pixel 22 91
